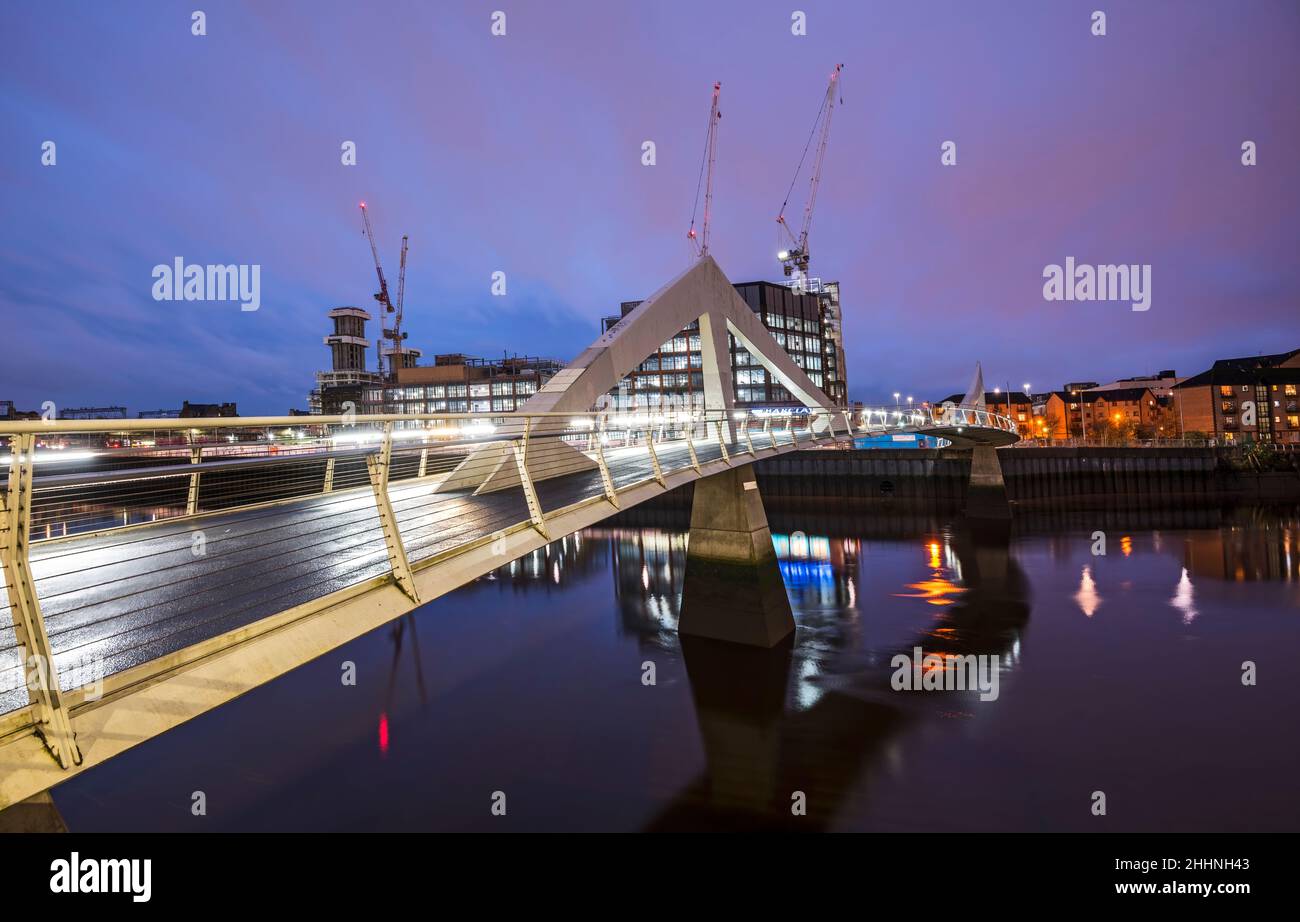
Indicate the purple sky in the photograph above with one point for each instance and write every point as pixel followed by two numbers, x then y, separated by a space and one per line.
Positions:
pixel 522 154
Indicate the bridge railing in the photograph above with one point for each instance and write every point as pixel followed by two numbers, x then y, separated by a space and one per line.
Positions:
pixel 132 547
pixel 201 528
pixel 919 418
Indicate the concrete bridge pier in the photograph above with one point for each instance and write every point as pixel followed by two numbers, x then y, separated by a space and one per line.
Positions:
pixel 986 495
pixel 733 588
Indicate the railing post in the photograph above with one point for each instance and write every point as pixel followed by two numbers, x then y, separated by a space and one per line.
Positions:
pixel 606 481
pixel 654 457
pixel 722 442
pixel 424 461
pixel 53 723
pixel 520 447
pixel 767 432
pixel 329 476
pixel 192 501
pixel 848 424
pixel 377 467
pixel 690 446
pixel 748 440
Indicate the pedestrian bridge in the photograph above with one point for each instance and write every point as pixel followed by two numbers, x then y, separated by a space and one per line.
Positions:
pixel 155 569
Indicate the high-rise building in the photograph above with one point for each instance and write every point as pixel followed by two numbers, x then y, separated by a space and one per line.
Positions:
pixel 340 388
pixel 834 370
pixel 673 376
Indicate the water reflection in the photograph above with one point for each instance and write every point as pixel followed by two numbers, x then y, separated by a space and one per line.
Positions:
pixel 1252 547
pixel 761 748
pixel 1088 598
pixel 818 706
pixel 816 715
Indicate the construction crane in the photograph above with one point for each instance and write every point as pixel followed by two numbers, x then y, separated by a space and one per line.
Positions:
pixel 794 257
pixel 700 243
pixel 393 333
pixel 397 358
pixel 382 294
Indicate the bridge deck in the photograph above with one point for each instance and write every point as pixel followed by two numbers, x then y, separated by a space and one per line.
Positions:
pixel 125 598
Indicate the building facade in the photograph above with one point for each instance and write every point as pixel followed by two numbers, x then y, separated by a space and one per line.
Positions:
pixel 673 377
pixel 1251 399
pixel 1136 406
pixel 457 383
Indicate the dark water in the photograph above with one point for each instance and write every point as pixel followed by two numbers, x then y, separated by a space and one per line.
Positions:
pixel 1119 673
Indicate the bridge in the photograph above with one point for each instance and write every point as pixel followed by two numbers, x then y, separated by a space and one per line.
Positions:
pixel 155 569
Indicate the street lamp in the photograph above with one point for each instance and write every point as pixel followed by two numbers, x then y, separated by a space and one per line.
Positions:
pixel 896 395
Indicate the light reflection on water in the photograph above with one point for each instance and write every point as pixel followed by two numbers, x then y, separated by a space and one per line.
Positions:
pixel 1119 672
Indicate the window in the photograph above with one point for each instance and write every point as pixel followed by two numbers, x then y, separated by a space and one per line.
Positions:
pixel 774 321
pixel 503 404
pixel 478 390
pixel 480 406
pixel 457 390
pixel 795 324
pixel 1289 390
pixel 1293 421
pixel 435 390
pixel 525 387
pixel 501 389
pixel 1225 390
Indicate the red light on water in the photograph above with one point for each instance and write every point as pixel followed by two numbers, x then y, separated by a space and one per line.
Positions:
pixel 383 734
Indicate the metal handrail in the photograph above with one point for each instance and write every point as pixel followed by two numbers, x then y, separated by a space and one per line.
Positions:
pixel 379 502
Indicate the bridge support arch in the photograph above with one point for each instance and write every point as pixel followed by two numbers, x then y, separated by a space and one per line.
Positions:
pixel 733 589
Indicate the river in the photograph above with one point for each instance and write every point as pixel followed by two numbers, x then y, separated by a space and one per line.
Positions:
pixel 1119 673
